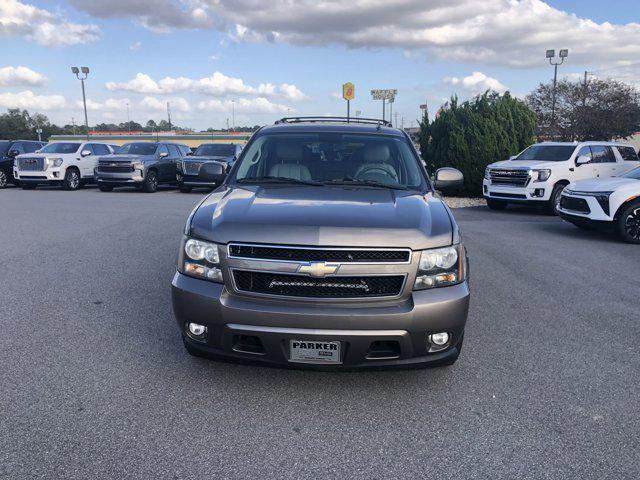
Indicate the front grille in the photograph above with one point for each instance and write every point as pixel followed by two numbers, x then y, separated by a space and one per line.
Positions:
pixel 329 287
pixel 31 164
pixel 512 177
pixel 508 195
pixel 574 204
pixel 192 168
pixel 319 255
pixel 111 167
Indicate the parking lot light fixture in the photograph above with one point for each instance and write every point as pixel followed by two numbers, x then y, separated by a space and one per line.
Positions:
pixel 564 53
pixel 85 73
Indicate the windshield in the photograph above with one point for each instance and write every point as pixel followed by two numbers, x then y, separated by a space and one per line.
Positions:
pixel 137 149
pixel 4 148
pixel 60 148
pixel 215 150
pixel 635 174
pixel 331 158
pixel 547 153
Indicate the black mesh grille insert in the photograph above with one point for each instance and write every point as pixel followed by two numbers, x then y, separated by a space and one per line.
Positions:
pixel 328 287
pixel 574 204
pixel 319 255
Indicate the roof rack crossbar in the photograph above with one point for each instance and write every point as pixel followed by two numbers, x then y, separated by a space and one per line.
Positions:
pixel 371 121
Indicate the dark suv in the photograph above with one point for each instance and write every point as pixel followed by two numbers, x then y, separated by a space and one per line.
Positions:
pixel 9 150
pixel 326 246
pixel 189 169
pixel 143 165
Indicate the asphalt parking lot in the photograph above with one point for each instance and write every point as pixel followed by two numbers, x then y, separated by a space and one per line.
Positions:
pixel 95 382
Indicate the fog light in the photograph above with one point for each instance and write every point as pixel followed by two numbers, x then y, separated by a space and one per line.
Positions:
pixel 439 339
pixel 196 329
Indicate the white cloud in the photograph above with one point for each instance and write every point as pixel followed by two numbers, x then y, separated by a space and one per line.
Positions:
pixel 477 82
pixel 49 29
pixel 134 47
pixel 110 104
pixel 30 101
pixel 142 83
pixel 178 104
pixel 217 85
pixel 18 76
pixel 499 32
pixel 244 105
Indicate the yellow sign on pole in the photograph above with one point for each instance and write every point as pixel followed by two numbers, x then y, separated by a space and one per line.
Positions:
pixel 348 91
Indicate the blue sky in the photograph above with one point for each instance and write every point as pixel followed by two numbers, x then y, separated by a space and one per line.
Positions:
pixel 270 59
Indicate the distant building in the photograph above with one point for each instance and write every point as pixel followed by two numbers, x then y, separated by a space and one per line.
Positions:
pixel 189 139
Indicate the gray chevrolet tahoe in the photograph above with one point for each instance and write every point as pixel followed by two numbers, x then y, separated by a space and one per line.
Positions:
pixel 325 247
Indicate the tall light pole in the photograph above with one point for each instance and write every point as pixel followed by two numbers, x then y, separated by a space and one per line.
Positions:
pixel 82 78
pixel 128 120
pixel 233 115
pixel 564 53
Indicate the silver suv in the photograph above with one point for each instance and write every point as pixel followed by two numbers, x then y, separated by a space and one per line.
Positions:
pixel 326 246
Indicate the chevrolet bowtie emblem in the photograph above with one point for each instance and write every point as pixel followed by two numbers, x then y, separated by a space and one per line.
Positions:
pixel 318 269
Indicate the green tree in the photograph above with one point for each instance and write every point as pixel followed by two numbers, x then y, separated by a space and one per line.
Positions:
pixel 596 110
pixel 470 135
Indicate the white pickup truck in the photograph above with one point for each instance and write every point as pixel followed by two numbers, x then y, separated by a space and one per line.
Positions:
pixel 539 173
pixel 70 164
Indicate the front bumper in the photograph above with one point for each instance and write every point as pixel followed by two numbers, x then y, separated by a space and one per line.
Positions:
pixel 229 316
pixel 193 181
pixel 120 179
pixel 534 192
pixel 52 176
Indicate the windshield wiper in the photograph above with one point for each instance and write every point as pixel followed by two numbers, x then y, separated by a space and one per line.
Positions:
pixel 366 183
pixel 271 179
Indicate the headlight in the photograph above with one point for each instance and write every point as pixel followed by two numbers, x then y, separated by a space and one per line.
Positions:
pixel 487 173
pixel 542 175
pixel 440 267
pixel 601 197
pixel 54 162
pixel 200 259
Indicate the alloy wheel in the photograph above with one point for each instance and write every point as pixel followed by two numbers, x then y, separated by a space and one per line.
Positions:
pixel 3 179
pixel 74 181
pixel 632 224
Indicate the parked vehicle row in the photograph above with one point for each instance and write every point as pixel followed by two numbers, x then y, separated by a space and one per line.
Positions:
pixel 590 184
pixel 143 165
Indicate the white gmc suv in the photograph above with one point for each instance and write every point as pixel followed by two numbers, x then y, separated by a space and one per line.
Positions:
pixel 540 173
pixel 69 164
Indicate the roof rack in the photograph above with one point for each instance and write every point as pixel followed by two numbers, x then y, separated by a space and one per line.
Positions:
pixel 370 121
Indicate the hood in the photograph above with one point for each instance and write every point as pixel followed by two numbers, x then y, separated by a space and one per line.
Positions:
pixel 609 184
pixel 524 164
pixel 323 216
pixel 206 158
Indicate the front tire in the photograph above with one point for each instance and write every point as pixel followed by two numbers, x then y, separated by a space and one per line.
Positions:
pixel 628 224
pixel 4 179
pixel 496 204
pixel 71 179
pixel 554 202
pixel 150 182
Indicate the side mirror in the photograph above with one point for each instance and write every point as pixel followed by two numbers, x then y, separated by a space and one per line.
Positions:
pixel 448 178
pixel 582 159
pixel 85 153
pixel 14 153
pixel 212 172
pixel 163 154
pixel 513 157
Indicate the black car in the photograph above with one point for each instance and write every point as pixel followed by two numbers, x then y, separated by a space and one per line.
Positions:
pixel 9 149
pixel 143 165
pixel 188 175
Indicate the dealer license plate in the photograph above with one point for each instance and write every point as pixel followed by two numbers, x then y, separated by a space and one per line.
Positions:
pixel 314 351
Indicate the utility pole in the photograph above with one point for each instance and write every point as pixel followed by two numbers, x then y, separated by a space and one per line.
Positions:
pixel 396 118
pixel 85 74
pixel 128 120
pixel 564 53
pixel 169 115
pixel 73 124
pixel 584 89
pixel 233 115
